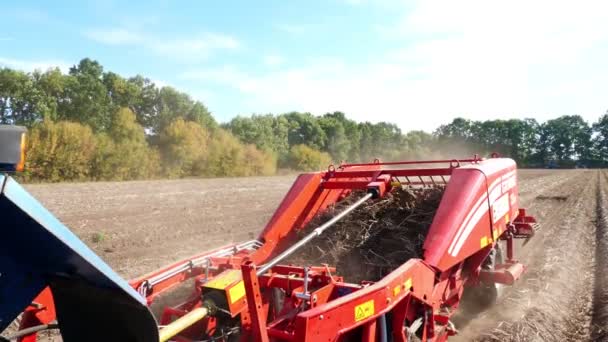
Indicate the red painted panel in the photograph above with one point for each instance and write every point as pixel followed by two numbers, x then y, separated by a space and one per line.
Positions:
pixel 463 222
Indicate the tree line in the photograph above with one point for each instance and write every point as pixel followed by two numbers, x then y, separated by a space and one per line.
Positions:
pixel 91 124
pixel 566 141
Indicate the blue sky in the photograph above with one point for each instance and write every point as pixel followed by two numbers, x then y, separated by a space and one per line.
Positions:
pixel 416 63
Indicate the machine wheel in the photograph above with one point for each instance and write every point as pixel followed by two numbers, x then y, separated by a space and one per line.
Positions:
pixel 477 299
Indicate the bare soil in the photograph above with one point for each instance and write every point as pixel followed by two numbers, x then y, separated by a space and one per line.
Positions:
pixel 555 299
pixel 139 226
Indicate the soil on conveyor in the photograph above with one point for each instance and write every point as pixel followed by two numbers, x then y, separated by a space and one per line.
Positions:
pixel 375 238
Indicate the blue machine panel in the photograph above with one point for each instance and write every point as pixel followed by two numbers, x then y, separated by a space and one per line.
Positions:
pixel 37 250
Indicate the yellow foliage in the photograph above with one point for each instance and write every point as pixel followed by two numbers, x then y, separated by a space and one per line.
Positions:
pixel 258 162
pixel 60 151
pixel 124 153
pixel 304 158
pixel 229 157
pixel 70 151
pixel 184 148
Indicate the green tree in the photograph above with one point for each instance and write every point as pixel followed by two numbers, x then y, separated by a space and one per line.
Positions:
pixel 145 105
pixel 87 99
pixel 337 144
pixel 304 128
pixel 458 130
pixel 266 132
pixel 51 84
pixel 21 101
pixel 172 104
pixel 419 144
pixel 568 137
pixel 122 93
pixel 381 140
pixel 600 141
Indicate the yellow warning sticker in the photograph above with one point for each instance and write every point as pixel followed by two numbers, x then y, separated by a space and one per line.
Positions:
pixel 408 284
pixel 237 292
pixel 483 242
pixel 224 279
pixel 362 311
pixel 495 234
pixel 396 290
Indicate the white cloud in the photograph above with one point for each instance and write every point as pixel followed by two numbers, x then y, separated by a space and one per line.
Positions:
pixel 195 47
pixel 117 36
pixel 29 65
pixel 273 60
pixel 472 58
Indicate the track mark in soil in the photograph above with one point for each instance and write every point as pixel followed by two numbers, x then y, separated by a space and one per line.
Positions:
pixel 599 321
pixel 553 198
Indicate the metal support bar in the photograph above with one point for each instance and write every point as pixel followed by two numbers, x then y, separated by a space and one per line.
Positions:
pixel 32 330
pixel 509 246
pixel 254 302
pixel 182 323
pixel 383 329
pixel 318 231
pixel 189 264
pixel 466 160
pixel 304 295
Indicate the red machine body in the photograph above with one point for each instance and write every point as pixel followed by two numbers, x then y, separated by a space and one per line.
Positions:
pixel 479 208
pixel 479 202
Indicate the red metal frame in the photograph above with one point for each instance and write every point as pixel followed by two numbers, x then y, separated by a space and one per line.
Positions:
pixel 479 207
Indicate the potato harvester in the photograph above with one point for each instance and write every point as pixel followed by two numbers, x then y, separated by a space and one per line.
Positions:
pixel 246 291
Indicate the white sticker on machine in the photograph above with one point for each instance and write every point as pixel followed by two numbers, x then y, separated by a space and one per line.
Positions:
pixel 500 207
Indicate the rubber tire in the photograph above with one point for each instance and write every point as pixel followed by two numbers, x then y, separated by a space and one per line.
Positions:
pixel 477 299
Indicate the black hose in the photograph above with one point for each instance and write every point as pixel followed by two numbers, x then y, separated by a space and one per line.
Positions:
pixel 29 331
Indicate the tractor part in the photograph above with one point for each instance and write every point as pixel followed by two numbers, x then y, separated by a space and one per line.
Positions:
pixel 12 148
pixel 29 331
pixel 182 323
